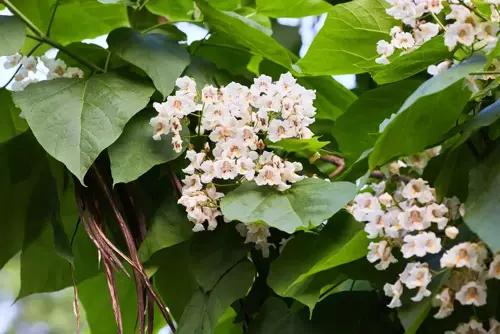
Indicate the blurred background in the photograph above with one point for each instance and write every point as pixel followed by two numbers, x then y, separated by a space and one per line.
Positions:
pixel 53 312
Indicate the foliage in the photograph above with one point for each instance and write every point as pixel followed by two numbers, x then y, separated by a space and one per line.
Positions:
pixel 230 186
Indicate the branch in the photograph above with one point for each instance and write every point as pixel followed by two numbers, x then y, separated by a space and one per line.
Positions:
pixel 334 160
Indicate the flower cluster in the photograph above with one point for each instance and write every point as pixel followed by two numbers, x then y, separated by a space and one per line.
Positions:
pixel 474 326
pixel 464 25
pixel 237 121
pixel 409 217
pixel 39 67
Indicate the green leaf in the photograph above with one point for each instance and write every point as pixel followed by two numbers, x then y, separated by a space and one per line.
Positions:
pixel 404 66
pixel 276 318
pixel 246 33
pixel 204 309
pixel 73 20
pixel 213 253
pixel 176 10
pixel 349 36
pixel 12 35
pixel 483 204
pixel 299 8
pixel 136 152
pixel 357 129
pixel 426 115
pixel 304 147
pixel 173 278
pixel 168 226
pixel 76 119
pixel 162 58
pixel 44 261
pixel 306 204
pixel 303 268
pixel 226 323
pixel 251 13
pixel 485 117
pixel 11 124
pixel 22 162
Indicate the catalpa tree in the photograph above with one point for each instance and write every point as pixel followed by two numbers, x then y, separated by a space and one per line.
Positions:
pixel 229 186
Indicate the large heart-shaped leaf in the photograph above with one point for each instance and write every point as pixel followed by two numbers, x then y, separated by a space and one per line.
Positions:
pixel 76 119
pixel 12 35
pixel 298 8
pixel 426 115
pixel 136 152
pixel 349 36
pixel 204 309
pixel 306 204
pixel 303 267
pixel 357 129
pixel 482 208
pixel 11 124
pixel 162 58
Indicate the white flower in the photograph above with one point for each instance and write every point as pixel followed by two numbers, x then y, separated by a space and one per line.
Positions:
pixel 256 233
pixel 451 232
pixel 225 169
pixel 418 189
pixel 435 6
pixel 209 94
pixel 263 84
pixel 457 32
pixel 268 175
pixel 394 30
pixel 246 167
pixel 278 130
pixel 473 327
pixel 386 200
pixel 393 228
pixel 417 275
pixel 439 68
pixel 378 188
pixel 186 86
pixel 459 13
pixel 413 219
pixel 425 32
pixel 192 184
pixel 285 84
pixel 380 251
pixel 494 326
pixel 385 48
pixel 12 61
pixel 29 63
pixel 73 72
pixel 403 40
pixel 495 14
pixel 366 207
pixel 494 270
pixel 446 303
pixel 436 214
pixel 375 228
pixel 472 293
pixel 395 291
pixel 421 244
pixel 465 254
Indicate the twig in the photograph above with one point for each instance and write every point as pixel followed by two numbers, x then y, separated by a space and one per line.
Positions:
pixel 52 18
pixel 334 160
pixel 76 307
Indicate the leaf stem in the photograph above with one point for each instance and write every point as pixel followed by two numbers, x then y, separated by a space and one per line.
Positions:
pixel 484 72
pixel 19 67
pixel 107 62
pixel 438 21
pixel 23 17
pixel 52 18
pixel 63 49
